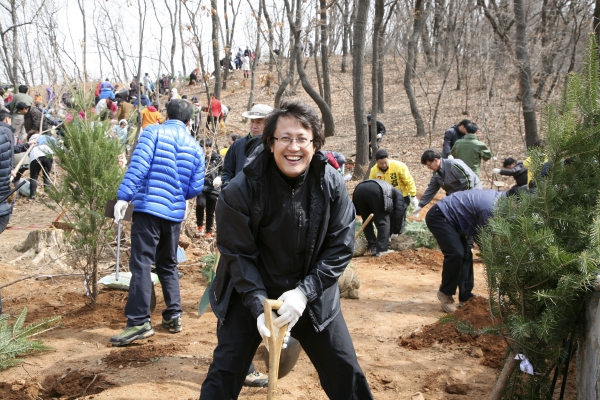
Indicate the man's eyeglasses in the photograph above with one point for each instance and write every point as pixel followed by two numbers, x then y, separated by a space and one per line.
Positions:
pixel 286 141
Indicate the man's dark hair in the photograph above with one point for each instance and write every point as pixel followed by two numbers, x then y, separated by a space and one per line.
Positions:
pixel 472 127
pixel 464 123
pixel 429 156
pixel 106 79
pixel 4 115
pixel 23 89
pixel 155 105
pixel 508 162
pixel 206 142
pixel 1 91
pixel 180 110
pixel 21 106
pixel 381 154
pixel 234 136
pixel 300 111
pixel 369 118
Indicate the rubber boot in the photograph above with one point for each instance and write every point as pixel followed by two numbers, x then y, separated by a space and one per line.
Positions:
pixel 32 188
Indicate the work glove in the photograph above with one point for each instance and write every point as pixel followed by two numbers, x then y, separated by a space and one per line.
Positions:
pixel 416 211
pixel 266 334
pixel 217 182
pixel 450 157
pixel 294 303
pixel 379 136
pixel 393 236
pixel 414 202
pixel 120 209
pixel 496 171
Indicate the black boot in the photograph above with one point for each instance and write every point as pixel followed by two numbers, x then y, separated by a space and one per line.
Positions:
pixel 32 189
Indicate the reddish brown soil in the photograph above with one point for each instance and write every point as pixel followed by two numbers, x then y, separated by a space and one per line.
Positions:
pixel 475 311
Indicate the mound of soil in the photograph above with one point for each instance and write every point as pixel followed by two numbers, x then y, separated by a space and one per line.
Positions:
pixel 137 356
pixel 17 391
pixel 417 258
pixel 476 311
pixel 74 384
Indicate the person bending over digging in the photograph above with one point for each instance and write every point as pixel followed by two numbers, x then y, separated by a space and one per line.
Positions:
pixel 166 169
pixel 286 231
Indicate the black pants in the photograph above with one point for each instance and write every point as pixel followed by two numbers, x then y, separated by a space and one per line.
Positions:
pixel 41 164
pixel 153 240
pixel 367 199
pixel 208 202
pixel 331 352
pixel 4 222
pixel 458 259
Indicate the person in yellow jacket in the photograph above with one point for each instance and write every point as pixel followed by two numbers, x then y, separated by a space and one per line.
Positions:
pixel 151 116
pixel 395 173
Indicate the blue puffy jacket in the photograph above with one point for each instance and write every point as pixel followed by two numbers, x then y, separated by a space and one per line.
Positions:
pixel 106 93
pixel 167 168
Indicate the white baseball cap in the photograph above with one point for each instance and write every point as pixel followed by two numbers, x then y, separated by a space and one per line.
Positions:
pixel 258 111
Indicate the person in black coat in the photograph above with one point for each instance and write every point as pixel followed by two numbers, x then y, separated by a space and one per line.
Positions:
pixel 207 200
pixel 452 135
pixel 286 232
pixel 389 211
pixel 517 170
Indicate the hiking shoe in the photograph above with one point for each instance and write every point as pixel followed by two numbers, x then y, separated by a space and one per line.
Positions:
pixel 447 302
pixel 256 379
pixel 383 253
pixel 172 325
pixel 208 235
pixel 374 252
pixel 462 303
pixel 132 333
pixel 200 230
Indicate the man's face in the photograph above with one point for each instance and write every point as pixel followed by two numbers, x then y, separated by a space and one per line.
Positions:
pixel 292 159
pixel 434 165
pixel 382 163
pixel 257 125
pixel 207 152
pixel 24 111
pixel 462 129
pixel 123 125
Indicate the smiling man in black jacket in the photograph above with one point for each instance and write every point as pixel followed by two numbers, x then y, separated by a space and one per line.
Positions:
pixel 286 231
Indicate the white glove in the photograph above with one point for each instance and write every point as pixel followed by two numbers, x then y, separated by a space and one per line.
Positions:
pixel 294 303
pixel 266 334
pixel 217 182
pixel 414 202
pixel 416 211
pixel 120 209
pixel 450 157
pixel 379 136
pixel 393 236
pixel 496 171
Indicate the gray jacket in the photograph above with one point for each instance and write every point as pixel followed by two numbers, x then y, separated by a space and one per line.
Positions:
pixel 453 176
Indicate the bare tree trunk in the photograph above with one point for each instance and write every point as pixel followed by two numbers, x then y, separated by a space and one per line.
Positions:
pixel 81 3
pixel 316 58
pixel 325 51
pixel 529 121
pixel 377 25
pixel 216 48
pixel 182 43
pixel 173 19
pixel 358 86
pixel 502 382
pixel 346 17
pixel 420 17
pixel 256 57
pixel 596 20
pixel 270 41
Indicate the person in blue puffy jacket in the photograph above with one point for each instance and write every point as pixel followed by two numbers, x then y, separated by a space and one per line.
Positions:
pixel 166 169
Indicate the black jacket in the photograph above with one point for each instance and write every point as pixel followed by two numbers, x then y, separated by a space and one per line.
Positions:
pixel 235 158
pixel 252 232
pixel 213 169
pixel 6 158
pixel 519 172
pixel 450 137
pixel 33 119
pixel 393 202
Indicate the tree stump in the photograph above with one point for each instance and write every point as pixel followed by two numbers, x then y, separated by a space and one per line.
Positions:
pixel 402 242
pixel 39 240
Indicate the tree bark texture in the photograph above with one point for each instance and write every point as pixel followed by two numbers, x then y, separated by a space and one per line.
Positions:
pixel 420 16
pixel 216 48
pixel 358 88
pixel 375 65
pixel 256 57
pixel 325 52
pixel 525 78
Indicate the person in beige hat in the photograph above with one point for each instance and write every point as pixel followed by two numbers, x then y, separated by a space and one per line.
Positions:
pixel 236 157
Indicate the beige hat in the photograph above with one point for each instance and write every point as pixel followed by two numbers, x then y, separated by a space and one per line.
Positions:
pixel 258 111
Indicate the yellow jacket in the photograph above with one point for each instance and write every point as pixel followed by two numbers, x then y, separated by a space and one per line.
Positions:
pixel 150 118
pixel 397 175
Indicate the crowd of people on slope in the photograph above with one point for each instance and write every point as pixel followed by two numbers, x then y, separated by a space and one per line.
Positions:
pixel 285 219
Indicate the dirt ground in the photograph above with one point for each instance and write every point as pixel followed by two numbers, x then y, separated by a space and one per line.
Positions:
pixel 400 346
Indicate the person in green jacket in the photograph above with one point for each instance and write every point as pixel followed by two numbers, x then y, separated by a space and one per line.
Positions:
pixel 471 150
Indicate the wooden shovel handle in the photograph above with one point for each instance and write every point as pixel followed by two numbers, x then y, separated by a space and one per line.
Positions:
pixel 274 346
pixel 364 225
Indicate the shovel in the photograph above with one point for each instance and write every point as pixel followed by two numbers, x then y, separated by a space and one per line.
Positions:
pixel 364 225
pixel 275 344
pixel 108 280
